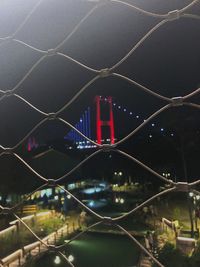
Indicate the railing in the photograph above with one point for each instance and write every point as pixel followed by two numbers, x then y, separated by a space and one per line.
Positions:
pixel 16 223
pixel 19 256
pixel 8 231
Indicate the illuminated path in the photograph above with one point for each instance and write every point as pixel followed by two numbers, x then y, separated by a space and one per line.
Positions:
pixel 18 258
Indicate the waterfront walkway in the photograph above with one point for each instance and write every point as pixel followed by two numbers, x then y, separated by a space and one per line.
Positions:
pixel 19 257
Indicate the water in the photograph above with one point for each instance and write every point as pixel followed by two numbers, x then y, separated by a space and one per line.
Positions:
pixel 96 250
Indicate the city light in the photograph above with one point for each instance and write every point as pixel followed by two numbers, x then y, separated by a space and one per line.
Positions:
pixel 191 194
pixel 118 173
pixel 116 200
pixel 166 174
pixel 91 203
pixel 122 201
pixel 119 200
pixel 68 196
pixel 198 197
pixel 57 260
pixel 71 258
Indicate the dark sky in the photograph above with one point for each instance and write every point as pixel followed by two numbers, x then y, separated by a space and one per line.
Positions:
pixel 168 62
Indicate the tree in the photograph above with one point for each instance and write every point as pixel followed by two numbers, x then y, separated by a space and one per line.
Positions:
pixel 169 256
pixel 15 178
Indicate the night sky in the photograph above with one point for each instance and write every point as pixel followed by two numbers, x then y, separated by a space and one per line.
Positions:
pixel 168 63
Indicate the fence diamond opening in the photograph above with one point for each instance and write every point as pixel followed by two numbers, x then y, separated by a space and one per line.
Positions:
pixel 171 102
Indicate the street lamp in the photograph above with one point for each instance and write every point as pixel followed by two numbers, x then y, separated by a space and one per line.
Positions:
pixel 191 194
pixel 71 258
pixel 119 200
pixel 57 260
pixel 118 176
pixel 194 214
pixel 122 201
pixel 197 197
pixel 116 200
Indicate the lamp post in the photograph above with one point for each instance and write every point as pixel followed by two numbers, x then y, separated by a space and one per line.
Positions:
pixel 118 175
pixel 193 206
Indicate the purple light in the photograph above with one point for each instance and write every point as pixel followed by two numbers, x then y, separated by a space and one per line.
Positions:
pixel 131 113
pixel 152 124
pixel 137 117
pixel 119 107
pixel 124 110
pixel 162 129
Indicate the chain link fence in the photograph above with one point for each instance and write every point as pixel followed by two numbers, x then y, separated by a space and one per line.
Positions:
pixel 171 102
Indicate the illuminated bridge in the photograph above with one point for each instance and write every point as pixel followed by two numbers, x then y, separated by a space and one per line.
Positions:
pixel 106 114
pixel 98 122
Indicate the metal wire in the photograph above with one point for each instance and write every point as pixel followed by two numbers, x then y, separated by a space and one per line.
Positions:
pixel 174 101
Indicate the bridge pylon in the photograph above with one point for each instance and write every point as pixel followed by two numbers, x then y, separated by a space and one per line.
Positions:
pixel 104 123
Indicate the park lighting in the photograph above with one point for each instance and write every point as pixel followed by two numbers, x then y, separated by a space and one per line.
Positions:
pixel 71 258
pixel 56 197
pixel 197 197
pixel 68 196
pixel 57 260
pixel 166 174
pixel 116 200
pixel 91 203
pixel 118 173
pixel 122 201
pixel 191 194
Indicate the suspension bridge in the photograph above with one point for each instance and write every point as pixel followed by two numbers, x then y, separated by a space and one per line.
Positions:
pixel 99 124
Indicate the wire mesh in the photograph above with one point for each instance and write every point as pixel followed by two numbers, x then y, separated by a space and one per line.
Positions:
pixel 171 102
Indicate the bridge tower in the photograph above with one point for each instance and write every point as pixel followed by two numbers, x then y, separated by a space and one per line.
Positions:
pixel 104 123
